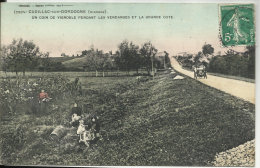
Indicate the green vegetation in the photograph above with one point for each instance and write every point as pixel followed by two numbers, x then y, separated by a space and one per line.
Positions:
pixel 207 49
pixel 148 122
pixel 235 64
pixel 76 62
pixel 162 122
pixel 22 56
pixel 232 63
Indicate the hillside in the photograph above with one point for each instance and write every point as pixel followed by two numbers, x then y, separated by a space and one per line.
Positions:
pixel 74 63
pixel 162 122
pixel 60 59
pixel 175 122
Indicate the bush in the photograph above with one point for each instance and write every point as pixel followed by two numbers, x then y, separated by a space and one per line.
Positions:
pixel 235 65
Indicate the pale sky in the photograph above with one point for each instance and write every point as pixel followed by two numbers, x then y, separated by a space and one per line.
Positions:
pixel 191 26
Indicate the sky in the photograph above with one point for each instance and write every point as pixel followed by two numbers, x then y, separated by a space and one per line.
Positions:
pixel 190 27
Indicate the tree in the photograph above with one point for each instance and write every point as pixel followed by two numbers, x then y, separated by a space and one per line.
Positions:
pixel 128 56
pixel 233 63
pixel 250 53
pixel 86 52
pixel 134 57
pixel 218 64
pixel 92 60
pixel 45 61
pixel 105 62
pixel 64 55
pixel 207 49
pixel 122 60
pixel 197 58
pixel 148 51
pixel 97 60
pixel 166 60
pixel 22 55
pixel 3 58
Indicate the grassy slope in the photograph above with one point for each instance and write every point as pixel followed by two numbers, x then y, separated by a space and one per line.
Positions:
pixel 158 122
pixel 76 62
pixel 60 59
pixel 178 122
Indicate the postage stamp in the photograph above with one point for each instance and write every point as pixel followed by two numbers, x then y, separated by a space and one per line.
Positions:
pixel 237 24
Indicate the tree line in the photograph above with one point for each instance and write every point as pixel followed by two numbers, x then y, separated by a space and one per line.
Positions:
pixel 127 57
pixel 234 63
pixel 22 55
pixel 231 63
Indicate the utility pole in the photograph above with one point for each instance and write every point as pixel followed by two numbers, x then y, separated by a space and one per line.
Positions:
pixel 152 68
pixel 164 61
pixel 151 54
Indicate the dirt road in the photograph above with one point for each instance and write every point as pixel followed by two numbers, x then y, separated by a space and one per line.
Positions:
pixel 241 89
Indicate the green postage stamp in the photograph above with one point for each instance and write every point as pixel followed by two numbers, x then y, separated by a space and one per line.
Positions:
pixel 237 24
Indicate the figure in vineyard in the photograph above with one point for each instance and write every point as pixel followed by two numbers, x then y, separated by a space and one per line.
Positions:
pixel 76 87
pixel 75 115
pixel 95 127
pixel 43 99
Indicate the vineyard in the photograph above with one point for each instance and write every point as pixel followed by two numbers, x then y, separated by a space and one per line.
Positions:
pixel 21 118
pixel 143 122
pixel 23 91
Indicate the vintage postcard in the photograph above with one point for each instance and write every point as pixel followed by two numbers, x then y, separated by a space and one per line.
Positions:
pixel 127 84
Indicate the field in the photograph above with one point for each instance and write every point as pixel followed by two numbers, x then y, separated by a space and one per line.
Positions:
pixel 113 73
pixel 149 122
pixel 76 62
